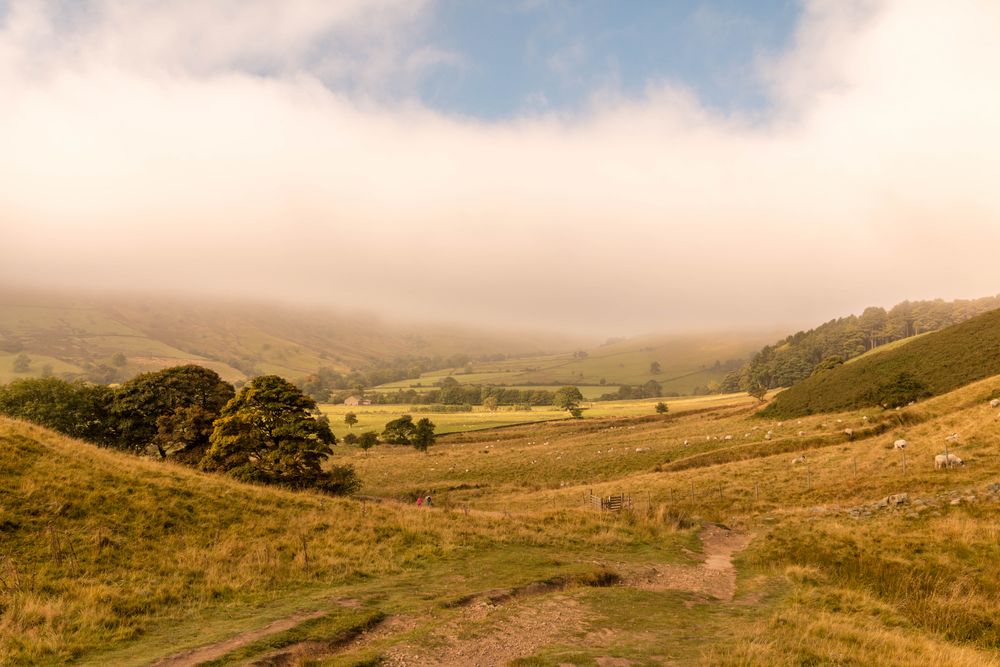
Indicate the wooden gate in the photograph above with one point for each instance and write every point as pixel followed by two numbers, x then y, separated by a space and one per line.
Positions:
pixel 613 503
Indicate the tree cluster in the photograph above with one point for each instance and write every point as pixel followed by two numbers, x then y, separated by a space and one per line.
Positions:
pixel 651 389
pixel 267 433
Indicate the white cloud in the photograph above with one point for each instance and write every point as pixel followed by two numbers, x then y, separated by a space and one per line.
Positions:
pixel 128 160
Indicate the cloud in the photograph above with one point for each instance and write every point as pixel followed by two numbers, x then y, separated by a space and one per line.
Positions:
pixel 196 148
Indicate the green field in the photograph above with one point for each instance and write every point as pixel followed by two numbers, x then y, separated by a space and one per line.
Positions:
pixel 374 417
pixel 686 362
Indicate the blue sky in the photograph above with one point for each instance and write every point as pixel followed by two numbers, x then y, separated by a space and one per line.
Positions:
pixel 536 56
pixel 681 164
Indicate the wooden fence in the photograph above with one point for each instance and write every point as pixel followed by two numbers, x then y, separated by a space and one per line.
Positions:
pixel 612 503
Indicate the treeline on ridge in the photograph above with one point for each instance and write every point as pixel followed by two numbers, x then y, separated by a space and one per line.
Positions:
pixel 929 366
pixel 798 356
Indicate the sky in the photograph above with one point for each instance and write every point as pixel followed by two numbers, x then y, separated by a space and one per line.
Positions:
pixel 596 167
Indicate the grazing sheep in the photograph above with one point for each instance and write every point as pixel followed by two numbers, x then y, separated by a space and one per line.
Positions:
pixel 728 437
pixel 947 461
pixel 686 443
pixel 768 435
pixel 864 418
pixel 995 403
pixel 801 433
pixel 900 444
pixel 799 459
pixel 952 438
pixel 849 432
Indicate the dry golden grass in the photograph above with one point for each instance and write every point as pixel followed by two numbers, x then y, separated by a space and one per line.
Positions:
pixel 109 558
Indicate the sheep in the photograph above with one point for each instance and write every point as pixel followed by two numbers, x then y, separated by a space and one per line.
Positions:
pixel 947 461
pixel 849 432
pixel 995 403
pixel 900 444
pixel 952 438
pixel 799 459
pixel 769 435
pixel 801 433
pixel 728 437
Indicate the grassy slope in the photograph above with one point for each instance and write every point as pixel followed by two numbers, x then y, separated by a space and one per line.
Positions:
pixel 943 360
pixel 112 559
pixel 67 332
pixel 908 587
pixel 686 362
pixel 852 587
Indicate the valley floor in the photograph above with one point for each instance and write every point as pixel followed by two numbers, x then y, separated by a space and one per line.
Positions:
pixel 732 554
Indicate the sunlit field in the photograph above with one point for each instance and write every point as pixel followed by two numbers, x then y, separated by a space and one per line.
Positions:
pixel 374 417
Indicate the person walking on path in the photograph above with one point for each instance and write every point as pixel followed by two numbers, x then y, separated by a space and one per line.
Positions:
pixel 420 501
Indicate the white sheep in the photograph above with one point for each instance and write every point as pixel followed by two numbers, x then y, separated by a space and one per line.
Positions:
pixel 799 459
pixel 849 432
pixel 952 438
pixel 995 403
pixel 947 461
pixel 900 444
pixel 769 435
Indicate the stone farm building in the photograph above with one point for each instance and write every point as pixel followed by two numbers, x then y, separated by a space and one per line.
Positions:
pixel 357 400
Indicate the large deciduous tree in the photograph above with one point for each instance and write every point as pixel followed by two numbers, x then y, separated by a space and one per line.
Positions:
pixel 170 410
pixel 267 434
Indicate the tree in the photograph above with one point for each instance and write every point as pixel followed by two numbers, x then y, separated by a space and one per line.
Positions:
pixel 399 431
pixel 118 359
pixel 758 390
pixel 568 398
pixel 491 403
pixel 172 410
pixel 423 435
pixel 350 419
pixel 76 409
pixel 367 440
pixel 654 368
pixel 266 434
pixel 662 408
pixel 22 363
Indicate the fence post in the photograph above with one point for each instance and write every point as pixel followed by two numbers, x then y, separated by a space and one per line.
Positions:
pixel 904 461
pixel 756 492
pixel 855 468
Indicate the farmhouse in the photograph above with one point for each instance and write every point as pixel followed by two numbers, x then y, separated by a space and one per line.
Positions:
pixel 357 400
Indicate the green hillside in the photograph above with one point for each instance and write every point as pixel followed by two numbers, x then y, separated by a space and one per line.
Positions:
pixel 113 339
pixel 795 357
pixel 687 363
pixel 931 364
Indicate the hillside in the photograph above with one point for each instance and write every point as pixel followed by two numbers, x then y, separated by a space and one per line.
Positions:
pixel 76 336
pixel 795 357
pixel 688 363
pixel 929 365
pixel 109 559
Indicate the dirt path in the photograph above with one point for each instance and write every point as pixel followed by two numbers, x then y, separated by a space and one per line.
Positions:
pixel 493 633
pixel 197 656
pixel 715 577
pixel 496 627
